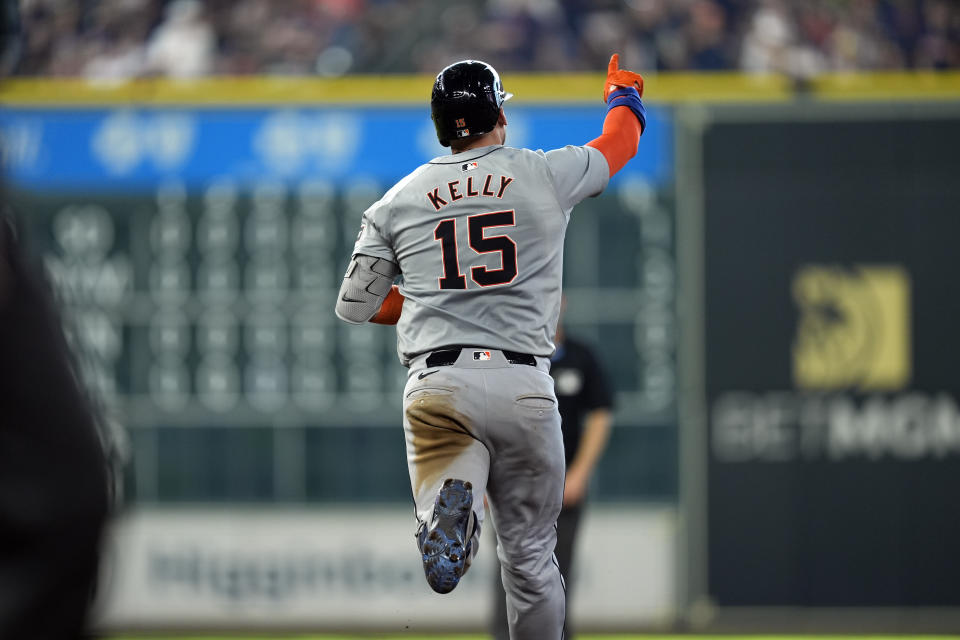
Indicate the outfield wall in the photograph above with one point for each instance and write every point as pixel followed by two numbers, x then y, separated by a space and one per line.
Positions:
pixel 198 251
pixel 821 431
pixel 357 568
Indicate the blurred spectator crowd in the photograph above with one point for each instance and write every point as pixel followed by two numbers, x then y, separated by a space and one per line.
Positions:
pixel 115 39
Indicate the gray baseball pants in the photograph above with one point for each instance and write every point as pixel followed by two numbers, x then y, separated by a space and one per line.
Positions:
pixel 496 424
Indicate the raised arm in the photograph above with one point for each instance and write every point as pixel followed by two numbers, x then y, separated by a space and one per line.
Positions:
pixel 626 117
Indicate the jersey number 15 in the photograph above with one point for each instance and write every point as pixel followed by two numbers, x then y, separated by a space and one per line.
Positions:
pixel 446 233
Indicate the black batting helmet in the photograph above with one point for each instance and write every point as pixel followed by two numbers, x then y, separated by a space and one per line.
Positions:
pixel 466 100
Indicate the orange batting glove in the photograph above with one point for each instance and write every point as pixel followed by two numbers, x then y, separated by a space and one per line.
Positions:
pixel 618 78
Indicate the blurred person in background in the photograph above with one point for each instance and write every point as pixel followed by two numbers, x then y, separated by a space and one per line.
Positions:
pixel 54 492
pixel 184 45
pixel 707 36
pixel 939 46
pixel 11 40
pixel 586 404
pixel 767 45
pixel 121 51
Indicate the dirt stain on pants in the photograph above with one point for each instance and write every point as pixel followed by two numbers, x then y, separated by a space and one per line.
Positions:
pixel 437 435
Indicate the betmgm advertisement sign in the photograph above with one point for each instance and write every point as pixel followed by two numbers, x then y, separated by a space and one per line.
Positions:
pixel 832 319
pixel 852 344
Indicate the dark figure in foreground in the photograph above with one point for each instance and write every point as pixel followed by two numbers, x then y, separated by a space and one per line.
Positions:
pixel 53 474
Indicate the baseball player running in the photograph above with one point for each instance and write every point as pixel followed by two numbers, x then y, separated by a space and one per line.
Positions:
pixel 478 238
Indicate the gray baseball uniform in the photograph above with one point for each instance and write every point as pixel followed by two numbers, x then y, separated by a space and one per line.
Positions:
pixel 478 237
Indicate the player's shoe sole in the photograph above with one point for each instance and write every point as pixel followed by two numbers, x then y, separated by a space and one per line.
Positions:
pixel 445 545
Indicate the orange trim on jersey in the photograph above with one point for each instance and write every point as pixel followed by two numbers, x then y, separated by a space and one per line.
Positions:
pixel 389 312
pixel 620 137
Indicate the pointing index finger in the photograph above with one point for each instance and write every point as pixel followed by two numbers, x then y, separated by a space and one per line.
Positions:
pixel 614 63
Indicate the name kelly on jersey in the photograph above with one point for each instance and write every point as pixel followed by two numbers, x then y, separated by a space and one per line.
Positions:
pixel 457 191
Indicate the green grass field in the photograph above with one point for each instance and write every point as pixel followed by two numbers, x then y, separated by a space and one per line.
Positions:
pixel 486 637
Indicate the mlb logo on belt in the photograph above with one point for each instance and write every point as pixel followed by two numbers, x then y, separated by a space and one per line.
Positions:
pixel 481 355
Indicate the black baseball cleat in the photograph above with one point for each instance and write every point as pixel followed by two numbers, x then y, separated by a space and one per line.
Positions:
pixel 446 543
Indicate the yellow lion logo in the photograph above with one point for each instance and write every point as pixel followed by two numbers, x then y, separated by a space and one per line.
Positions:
pixel 854 327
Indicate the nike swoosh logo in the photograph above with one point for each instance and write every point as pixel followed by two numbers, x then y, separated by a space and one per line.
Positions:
pixel 346 299
pixel 424 374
